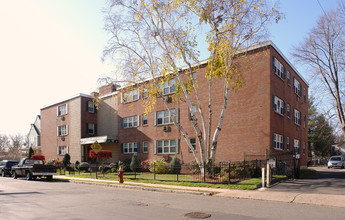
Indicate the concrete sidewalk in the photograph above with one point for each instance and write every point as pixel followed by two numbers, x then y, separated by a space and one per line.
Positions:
pixel 260 194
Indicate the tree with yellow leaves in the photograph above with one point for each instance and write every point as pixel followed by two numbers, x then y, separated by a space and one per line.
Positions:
pixel 154 38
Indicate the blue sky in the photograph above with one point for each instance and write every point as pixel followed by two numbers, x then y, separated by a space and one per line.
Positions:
pixel 51 50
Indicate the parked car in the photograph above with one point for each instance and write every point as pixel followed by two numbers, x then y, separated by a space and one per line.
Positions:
pixel 33 168
pixel 336 161
pixel 6 167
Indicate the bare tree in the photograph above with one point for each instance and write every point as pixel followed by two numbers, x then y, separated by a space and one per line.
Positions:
pixel 153 39
pixel 323 51
pixel 4 143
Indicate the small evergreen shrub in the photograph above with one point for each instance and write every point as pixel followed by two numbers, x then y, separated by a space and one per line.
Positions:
pixel 134 162
pixel 175 165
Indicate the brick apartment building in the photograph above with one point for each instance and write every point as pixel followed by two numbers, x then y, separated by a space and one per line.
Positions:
pixel 64 124
pixel 268 113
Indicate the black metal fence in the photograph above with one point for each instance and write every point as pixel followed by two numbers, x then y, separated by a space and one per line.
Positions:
pixel 281 163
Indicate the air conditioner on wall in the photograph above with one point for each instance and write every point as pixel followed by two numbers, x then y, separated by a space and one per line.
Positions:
pixel 63 138
pixel 62 118
pixel 166 128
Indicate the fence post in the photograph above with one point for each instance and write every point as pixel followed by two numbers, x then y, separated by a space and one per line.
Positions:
pixel 263 177
pixel 229 171
pixel 204 171
pixel 220 172
pixel 176 175
pixel 135 172
pixel 154 170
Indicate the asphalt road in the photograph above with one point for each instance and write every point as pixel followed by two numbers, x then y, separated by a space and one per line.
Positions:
pixel 21 199
pixel 325 181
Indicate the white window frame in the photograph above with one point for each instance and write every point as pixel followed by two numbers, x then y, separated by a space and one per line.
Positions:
pixel 278 141
pixel 145 147
pixel 193 112
pixel 130 96
pixel 145 93
pixel 91 107
pixel 130 148
pixel 278 105
pixel 297 86
pixel 145 120
pixel 279 68
pixel 296 145
pixel 167 146
pixel 90 127
pixel 297 118
pixel 62 110
pixel 288 143
pixel 62 130
pixel 288 113
pixel 165 117
pixel 193 143
pixel 62 150
pixel 130 122
pixel 169 87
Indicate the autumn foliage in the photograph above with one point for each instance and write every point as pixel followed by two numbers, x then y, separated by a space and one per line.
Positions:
pixel 38 157
pixel 103 154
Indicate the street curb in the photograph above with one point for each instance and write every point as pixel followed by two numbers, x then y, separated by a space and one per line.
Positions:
pixel 115 185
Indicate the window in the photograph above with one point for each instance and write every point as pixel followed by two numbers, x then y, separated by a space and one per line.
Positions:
pixel 288 78
pixel 279 105
pixel 145 93
pixel 130 96
pixel 130 122
pixel 297 87
pixel 278 68
pixel 297 115
pixel 167 147
pixel 163 117
pixel 304 94
pixel 169 87
pixel 90 128
pixel 296 146
pixel 62 110
pixel 287 143
pixel 193 112
pixel 144 120
pixel 278 141
pixel 288 110
pixel 304 121
pixel 129 148
pixel 193 143
pixel 90 106
pixel 62 150
pixel 145 147
pixel 62 130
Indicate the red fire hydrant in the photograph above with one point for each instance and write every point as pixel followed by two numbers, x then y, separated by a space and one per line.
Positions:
pixel 120 175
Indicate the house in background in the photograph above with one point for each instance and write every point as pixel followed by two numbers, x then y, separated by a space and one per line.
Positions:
pixel 34 135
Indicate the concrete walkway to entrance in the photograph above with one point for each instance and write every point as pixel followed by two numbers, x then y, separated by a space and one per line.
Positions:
pixel 276 193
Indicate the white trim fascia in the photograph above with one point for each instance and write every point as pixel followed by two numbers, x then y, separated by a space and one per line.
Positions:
pixel 66 100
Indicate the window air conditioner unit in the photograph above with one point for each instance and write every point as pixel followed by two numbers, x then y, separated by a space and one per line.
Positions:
pixel 62 118
pixel 168 99
pixel 63 138
pixel 166 128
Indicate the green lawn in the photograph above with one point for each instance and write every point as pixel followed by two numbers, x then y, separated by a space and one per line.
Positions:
pixel 171 179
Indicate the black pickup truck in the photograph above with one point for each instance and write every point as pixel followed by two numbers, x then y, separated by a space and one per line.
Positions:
pixel 33 168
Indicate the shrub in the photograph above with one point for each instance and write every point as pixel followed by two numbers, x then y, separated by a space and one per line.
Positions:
pixel 38 157
pixel 66 160
pixel 194 167
pixel 159 166
pixel 50 162
pixel 31 152
pixel 84 166
pixel 145 165
pixel 134 162
pixel 175 165
pixel 76 165
pixel 125 164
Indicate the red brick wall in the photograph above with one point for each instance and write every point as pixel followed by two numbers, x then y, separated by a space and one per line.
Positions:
pixel 249 121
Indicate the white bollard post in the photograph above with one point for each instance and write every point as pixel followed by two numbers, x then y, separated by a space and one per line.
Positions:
pixel 268 177
pixel 263 177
